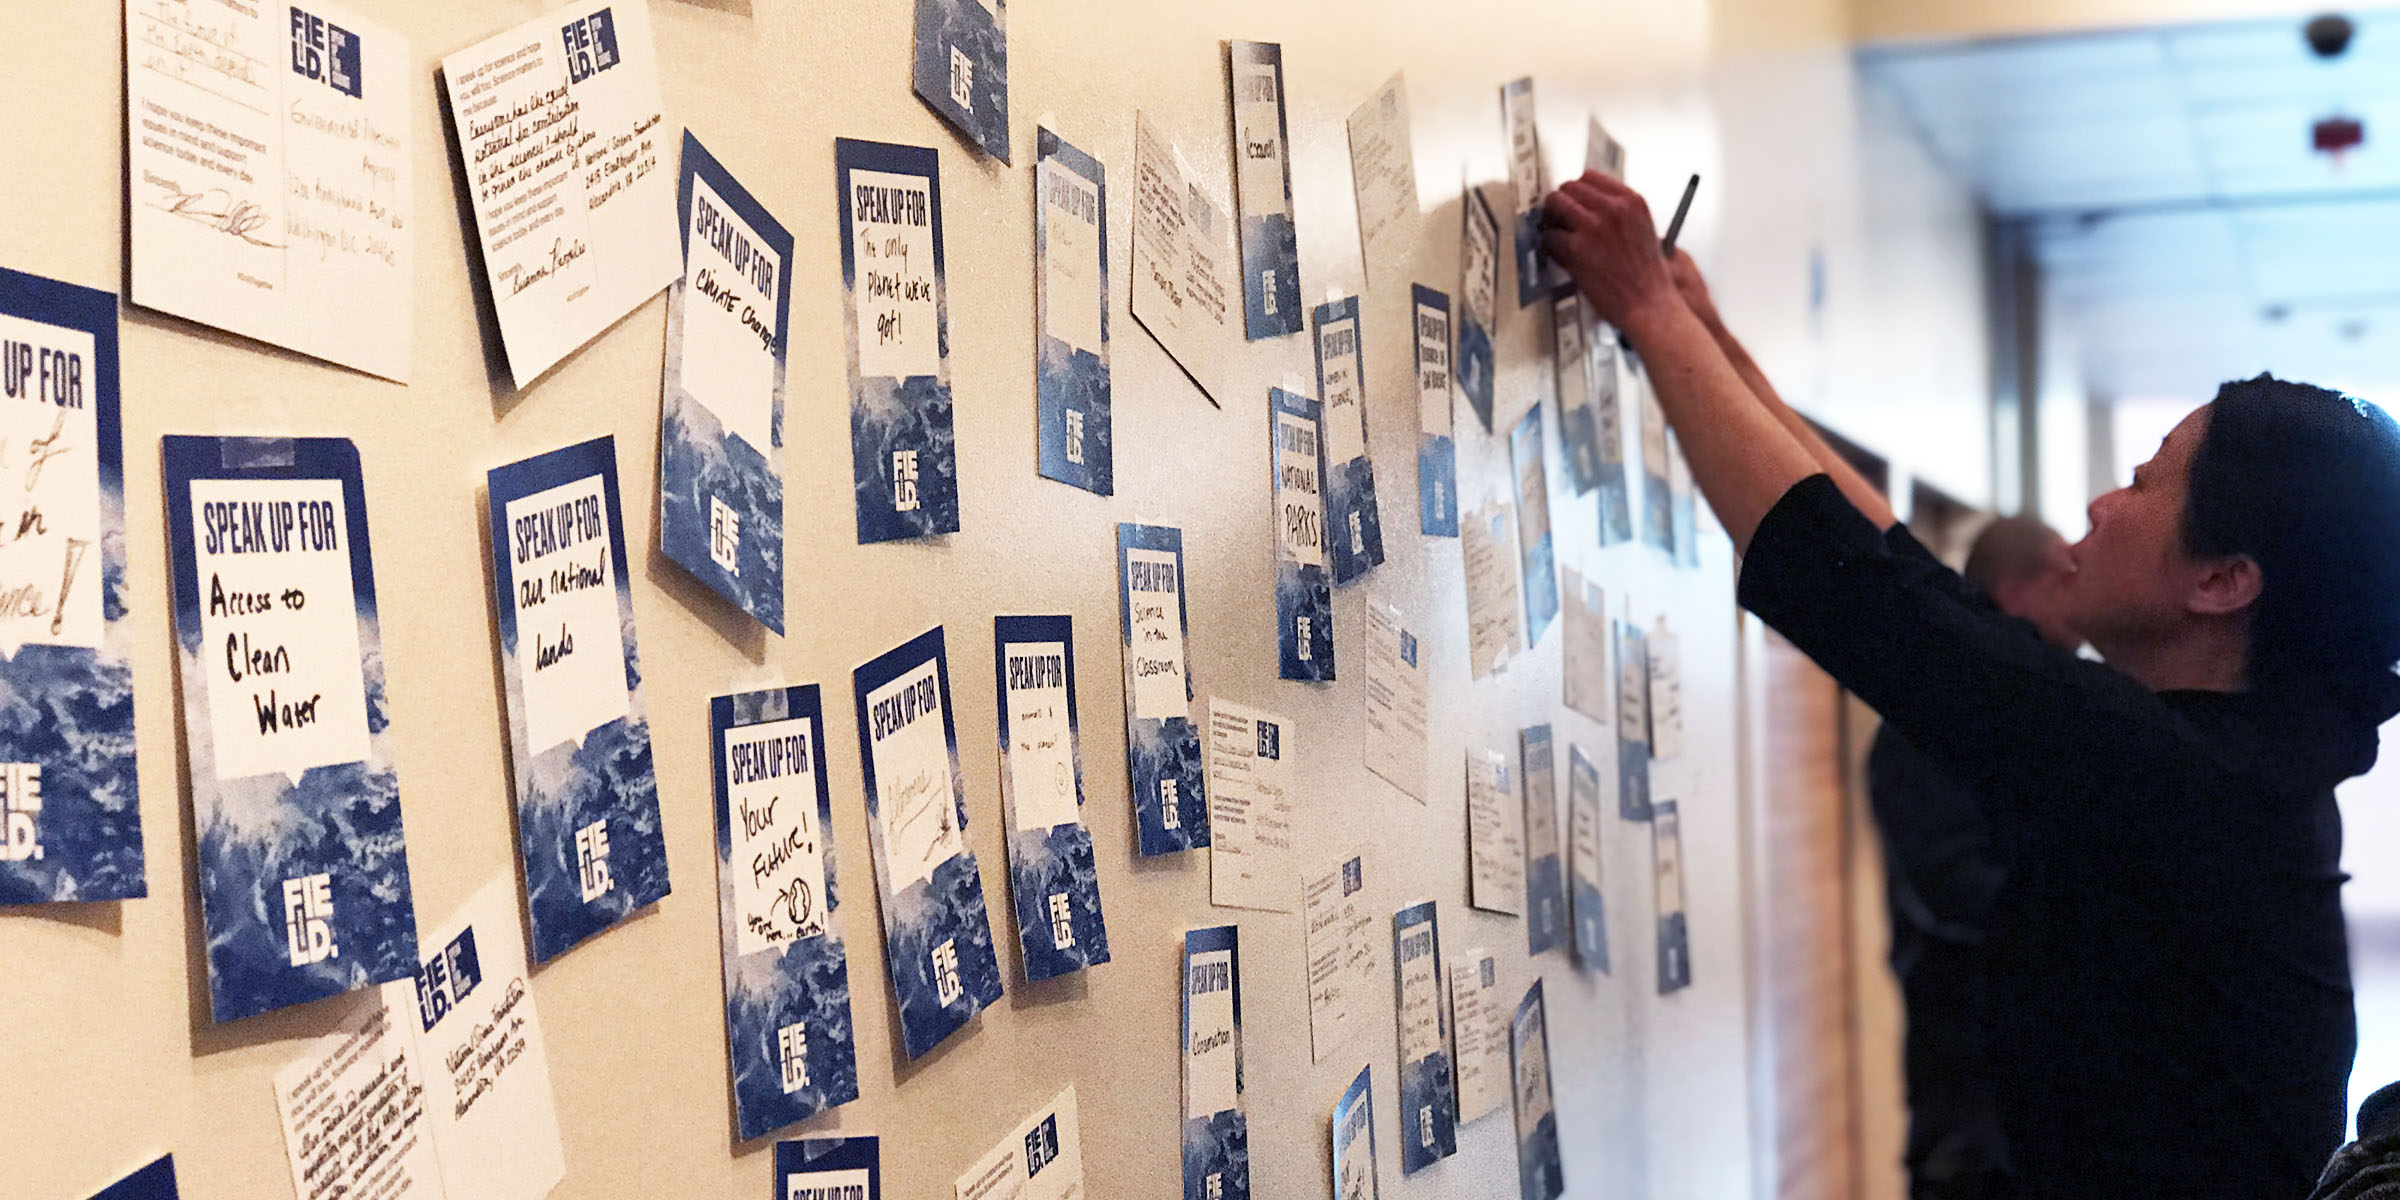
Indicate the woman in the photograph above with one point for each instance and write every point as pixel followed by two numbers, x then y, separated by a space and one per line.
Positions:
pixel 2171 996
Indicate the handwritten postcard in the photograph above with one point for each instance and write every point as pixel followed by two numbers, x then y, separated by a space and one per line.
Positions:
pixel 1479 1028
pixel 1437 449
pixel 1479 307
pixel 903 448
pixel 1303 593
pixel 833 1168
pixel 1633 723
pixel 1182 266
pixel 70 801
pixel 1495 835
pixel 562 135
pixel 1041 1160
pixel 1586 902
pixel 1428 1099
pixel 1674 940
pixel 1583 637
pixel 1341 952
pixel 962 68
pixel 788 1039
pixel 1658 491
pixel 1666 693
pixel 295 801
pixel 579 735
pixel 1536 554
pixel 1539 1176
pixel 1396 692
pixel 1383 171
pixel 1571 363
pixel 1262 187
pixel 1051 869
pixel 1354 537
pixel 1488 546
pixel 1162 745
pixel 267 154
pixel 1354 1140
pixel 1545 880
pixel 720 428
pixel 937 935
pixel 1070 249
pixel 1252 807
pixel 1216 1130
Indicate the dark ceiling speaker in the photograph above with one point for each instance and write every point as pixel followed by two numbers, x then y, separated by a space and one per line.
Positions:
pixel 2329 35
pixel 2334 135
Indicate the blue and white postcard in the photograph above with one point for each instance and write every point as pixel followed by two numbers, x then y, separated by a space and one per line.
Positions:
pixel 962 68
pixel 720 433
pixel 1051 869
pixel 1437 447
pixel 1070 247
pixel 1303 593
pixel 1686 517
pixel 1658 493
pixel 1428 1099
pixel 1535 275
pixel 70 801
pixel 834 1168
pixel 153 1182
pixel 1674 942
pixel 1216 1131
pixel 1572 363
pixel 1262 187
pixel 1545 877
pixel 1633 723
pixel 1608 432
pixel 1585 903
pixel 1162 745
pixel 1536 554
pixel 1354 1140
pixel 1539 1176
pixel 1355 540
pixel 1479 309
pixel 579 737
pixel 937 935
pixel 303 871
pixel 903 448
pixel 789 1044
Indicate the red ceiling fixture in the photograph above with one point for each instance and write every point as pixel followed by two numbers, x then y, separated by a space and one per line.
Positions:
pixel 2329 38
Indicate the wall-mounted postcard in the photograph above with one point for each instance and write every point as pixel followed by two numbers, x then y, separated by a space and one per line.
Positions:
pixel 962 68
pixel 1539 1176
pixel 903 449
pixel 1536 553
pixel 1262 186
pixel 1252 807
pixel 720 435
pixel 789 1043
pixel 937 934
pixel 1341 952
pixel 153 1182
pixel 1354 1140
pixel 1545 876
pixel 1383 170
pixel 1535 274
pixel 1070 248
pixel 1658 492
pixel 1216 1130
pixel 1303 592
pixel 1479 1028
pixel 1051 869
pixel 1428 1101
pixel 1479 306
pixel 1437 448
pixel 1162 744
pixel 1571 363
pixel 295 801
pixel 1488 554
pixel 267 175
pixel 70 810
pixel 1585 903
pixel 562 136
pixel 1182 261
pixel 832 1168
pixel 1042 1160
pixel 1608 431
pixel 1666 693
pixel 1354 529
pixel 1674 941
pixel 1684 514
pixel 1601 151
pixel 1633 723
pixel 579 736
pixel 1396 690
pixel 1495 835
pixel 1583 637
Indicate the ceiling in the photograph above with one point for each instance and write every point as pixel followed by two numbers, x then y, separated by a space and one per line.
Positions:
pixel 2187 228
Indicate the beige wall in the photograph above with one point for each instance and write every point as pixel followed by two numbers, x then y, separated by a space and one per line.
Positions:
pixel 1882 20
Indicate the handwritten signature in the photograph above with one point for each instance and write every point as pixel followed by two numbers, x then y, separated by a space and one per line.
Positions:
pixel 217 209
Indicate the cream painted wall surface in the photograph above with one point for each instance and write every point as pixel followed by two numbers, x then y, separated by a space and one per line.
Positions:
pixel 111 1054
pixel 1879 20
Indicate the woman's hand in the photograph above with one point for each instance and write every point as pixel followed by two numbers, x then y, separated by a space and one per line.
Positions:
pixel 1694 291
pixel 1601 232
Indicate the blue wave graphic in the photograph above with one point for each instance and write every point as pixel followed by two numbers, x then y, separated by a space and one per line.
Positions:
pixel 1075 380
pixel 1428 1112
pixel 71 710
pixel 1475 367
pixel 1304 601
pixel 1539 1176
pixel 887 417
pixel 964 24
pixel 1633 779
pixel 1218 1145
pixel 1437 486
pixel 1053 862
pixel 1271 274
pixel 1349 497
pixel 1157 751
pixel 1674 954
pixel 1546 905
pixel 1591 925
pixel 697 460
pixel 948 907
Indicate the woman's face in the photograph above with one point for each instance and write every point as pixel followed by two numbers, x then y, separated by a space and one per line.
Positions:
pixel 2132 580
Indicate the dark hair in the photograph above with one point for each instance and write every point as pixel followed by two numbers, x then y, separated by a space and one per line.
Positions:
pixel 2010 549
pixel 2306 482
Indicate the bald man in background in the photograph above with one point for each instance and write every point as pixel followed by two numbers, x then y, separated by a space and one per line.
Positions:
pixel 1944 864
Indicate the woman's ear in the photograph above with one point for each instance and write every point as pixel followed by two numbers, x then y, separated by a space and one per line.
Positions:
pixel 2228 585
